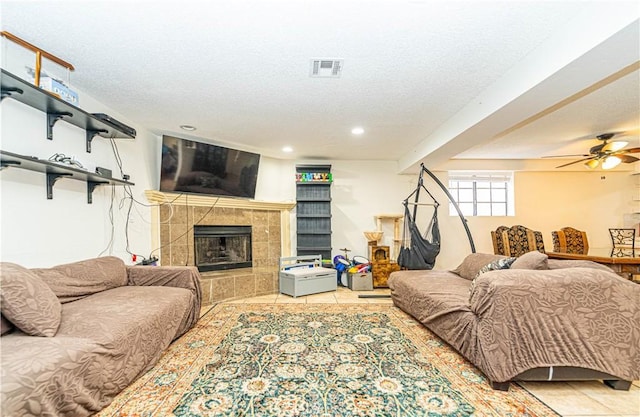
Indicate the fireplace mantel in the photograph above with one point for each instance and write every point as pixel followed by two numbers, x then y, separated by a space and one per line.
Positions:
pixel 160 197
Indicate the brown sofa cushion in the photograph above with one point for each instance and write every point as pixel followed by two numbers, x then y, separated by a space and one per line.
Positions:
pixel 531 260
pixel 77 280
pixel 576 263
pixel 28 302
pixel 472 264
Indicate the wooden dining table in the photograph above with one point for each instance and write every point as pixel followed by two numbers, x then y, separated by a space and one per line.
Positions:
pixel 624 261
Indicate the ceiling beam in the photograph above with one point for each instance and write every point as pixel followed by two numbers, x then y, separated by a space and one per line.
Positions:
pixel 596 44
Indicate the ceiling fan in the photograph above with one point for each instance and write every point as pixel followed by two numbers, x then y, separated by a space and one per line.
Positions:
pixel 607 154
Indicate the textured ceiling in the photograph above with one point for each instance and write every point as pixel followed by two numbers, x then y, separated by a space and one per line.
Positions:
pixel 413 72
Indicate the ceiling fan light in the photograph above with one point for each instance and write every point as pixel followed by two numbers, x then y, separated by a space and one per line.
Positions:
pixel 614 146
pixel 611 162
pixel 592 164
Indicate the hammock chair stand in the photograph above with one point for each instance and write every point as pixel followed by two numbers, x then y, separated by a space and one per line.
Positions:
pixel 415 203
pixel 422 253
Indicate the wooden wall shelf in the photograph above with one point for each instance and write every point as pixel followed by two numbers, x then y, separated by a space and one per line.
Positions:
pixel 57 109
pixel 55 171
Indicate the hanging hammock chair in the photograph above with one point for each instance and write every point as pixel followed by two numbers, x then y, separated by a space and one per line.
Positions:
pixel 419 250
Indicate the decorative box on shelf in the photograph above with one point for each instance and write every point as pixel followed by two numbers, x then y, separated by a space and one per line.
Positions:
pixel 56 87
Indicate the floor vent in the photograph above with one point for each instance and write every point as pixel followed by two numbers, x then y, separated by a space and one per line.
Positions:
pixel 326 68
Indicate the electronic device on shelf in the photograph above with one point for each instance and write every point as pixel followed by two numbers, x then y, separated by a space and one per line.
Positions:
pixel 153 261
pixel 63 159
pixel 105 118
pixel 104 172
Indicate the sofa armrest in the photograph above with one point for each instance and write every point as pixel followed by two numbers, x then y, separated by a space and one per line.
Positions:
pixel 187 277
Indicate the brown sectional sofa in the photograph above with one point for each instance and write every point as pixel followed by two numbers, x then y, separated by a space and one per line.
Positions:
pixel 75 335
pixel 555 320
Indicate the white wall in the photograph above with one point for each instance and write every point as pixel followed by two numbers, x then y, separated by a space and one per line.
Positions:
pixel 591 201
pixel 39 232
pixel 545 201
pixel 276 180
pixel 360 191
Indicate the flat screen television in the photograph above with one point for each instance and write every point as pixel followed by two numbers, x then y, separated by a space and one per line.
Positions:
pixel 197 167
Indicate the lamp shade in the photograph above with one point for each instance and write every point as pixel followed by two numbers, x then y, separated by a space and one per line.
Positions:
pixel 592 164
pixel 614 146
pixel 610 162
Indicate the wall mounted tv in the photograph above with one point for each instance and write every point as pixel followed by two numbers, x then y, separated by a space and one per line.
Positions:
pixel 197 167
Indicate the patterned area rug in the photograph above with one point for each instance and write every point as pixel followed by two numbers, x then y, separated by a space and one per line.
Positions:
pixel 315 360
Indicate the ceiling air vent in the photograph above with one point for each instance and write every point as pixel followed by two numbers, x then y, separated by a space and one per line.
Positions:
pixel 331 68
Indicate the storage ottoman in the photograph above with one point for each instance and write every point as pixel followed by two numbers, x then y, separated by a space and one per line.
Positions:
pixel 305 277
pixel 305 281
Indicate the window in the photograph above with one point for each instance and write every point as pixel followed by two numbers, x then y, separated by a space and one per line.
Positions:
pixel 482 193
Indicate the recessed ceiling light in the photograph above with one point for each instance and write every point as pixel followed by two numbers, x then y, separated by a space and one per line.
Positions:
pixel 188 128
pixel 357 131
pixel 287 149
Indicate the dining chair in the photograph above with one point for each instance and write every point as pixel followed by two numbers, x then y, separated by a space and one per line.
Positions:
pixel 496 238
pixel 570 240
pixel 623 237
pixel 516 240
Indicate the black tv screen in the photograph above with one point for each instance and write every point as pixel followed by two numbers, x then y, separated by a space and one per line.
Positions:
pixel 196 167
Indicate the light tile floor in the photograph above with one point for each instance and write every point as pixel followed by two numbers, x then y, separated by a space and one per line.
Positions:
pixel 570 399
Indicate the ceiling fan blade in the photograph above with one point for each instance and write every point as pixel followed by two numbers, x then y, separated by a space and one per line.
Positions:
pixel 628 158
pixel 575 162
pixel 565 156
pixel 630 150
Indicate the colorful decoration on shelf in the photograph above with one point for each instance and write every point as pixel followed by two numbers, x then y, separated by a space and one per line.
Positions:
pixel 314 177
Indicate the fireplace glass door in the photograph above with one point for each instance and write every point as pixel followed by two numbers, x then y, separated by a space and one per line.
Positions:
pixel 222 247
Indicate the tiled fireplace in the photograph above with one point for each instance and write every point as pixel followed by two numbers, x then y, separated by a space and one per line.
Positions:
pixel 269 239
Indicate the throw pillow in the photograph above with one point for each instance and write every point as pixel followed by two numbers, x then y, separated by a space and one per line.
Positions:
pixel 27 302
pixel 503 263
pixel 471 265
pixel 531 260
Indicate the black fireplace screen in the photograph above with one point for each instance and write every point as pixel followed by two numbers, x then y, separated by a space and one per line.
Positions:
pixel 222 247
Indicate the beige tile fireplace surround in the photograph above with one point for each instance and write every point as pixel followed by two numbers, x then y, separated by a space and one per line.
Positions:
pixel 174 215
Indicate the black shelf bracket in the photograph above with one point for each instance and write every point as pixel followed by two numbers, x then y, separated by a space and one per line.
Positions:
pixel 7 164
pixel 51 179
pixel 91 134
pixel 7 92
pixel 91 185
pixel 52 118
